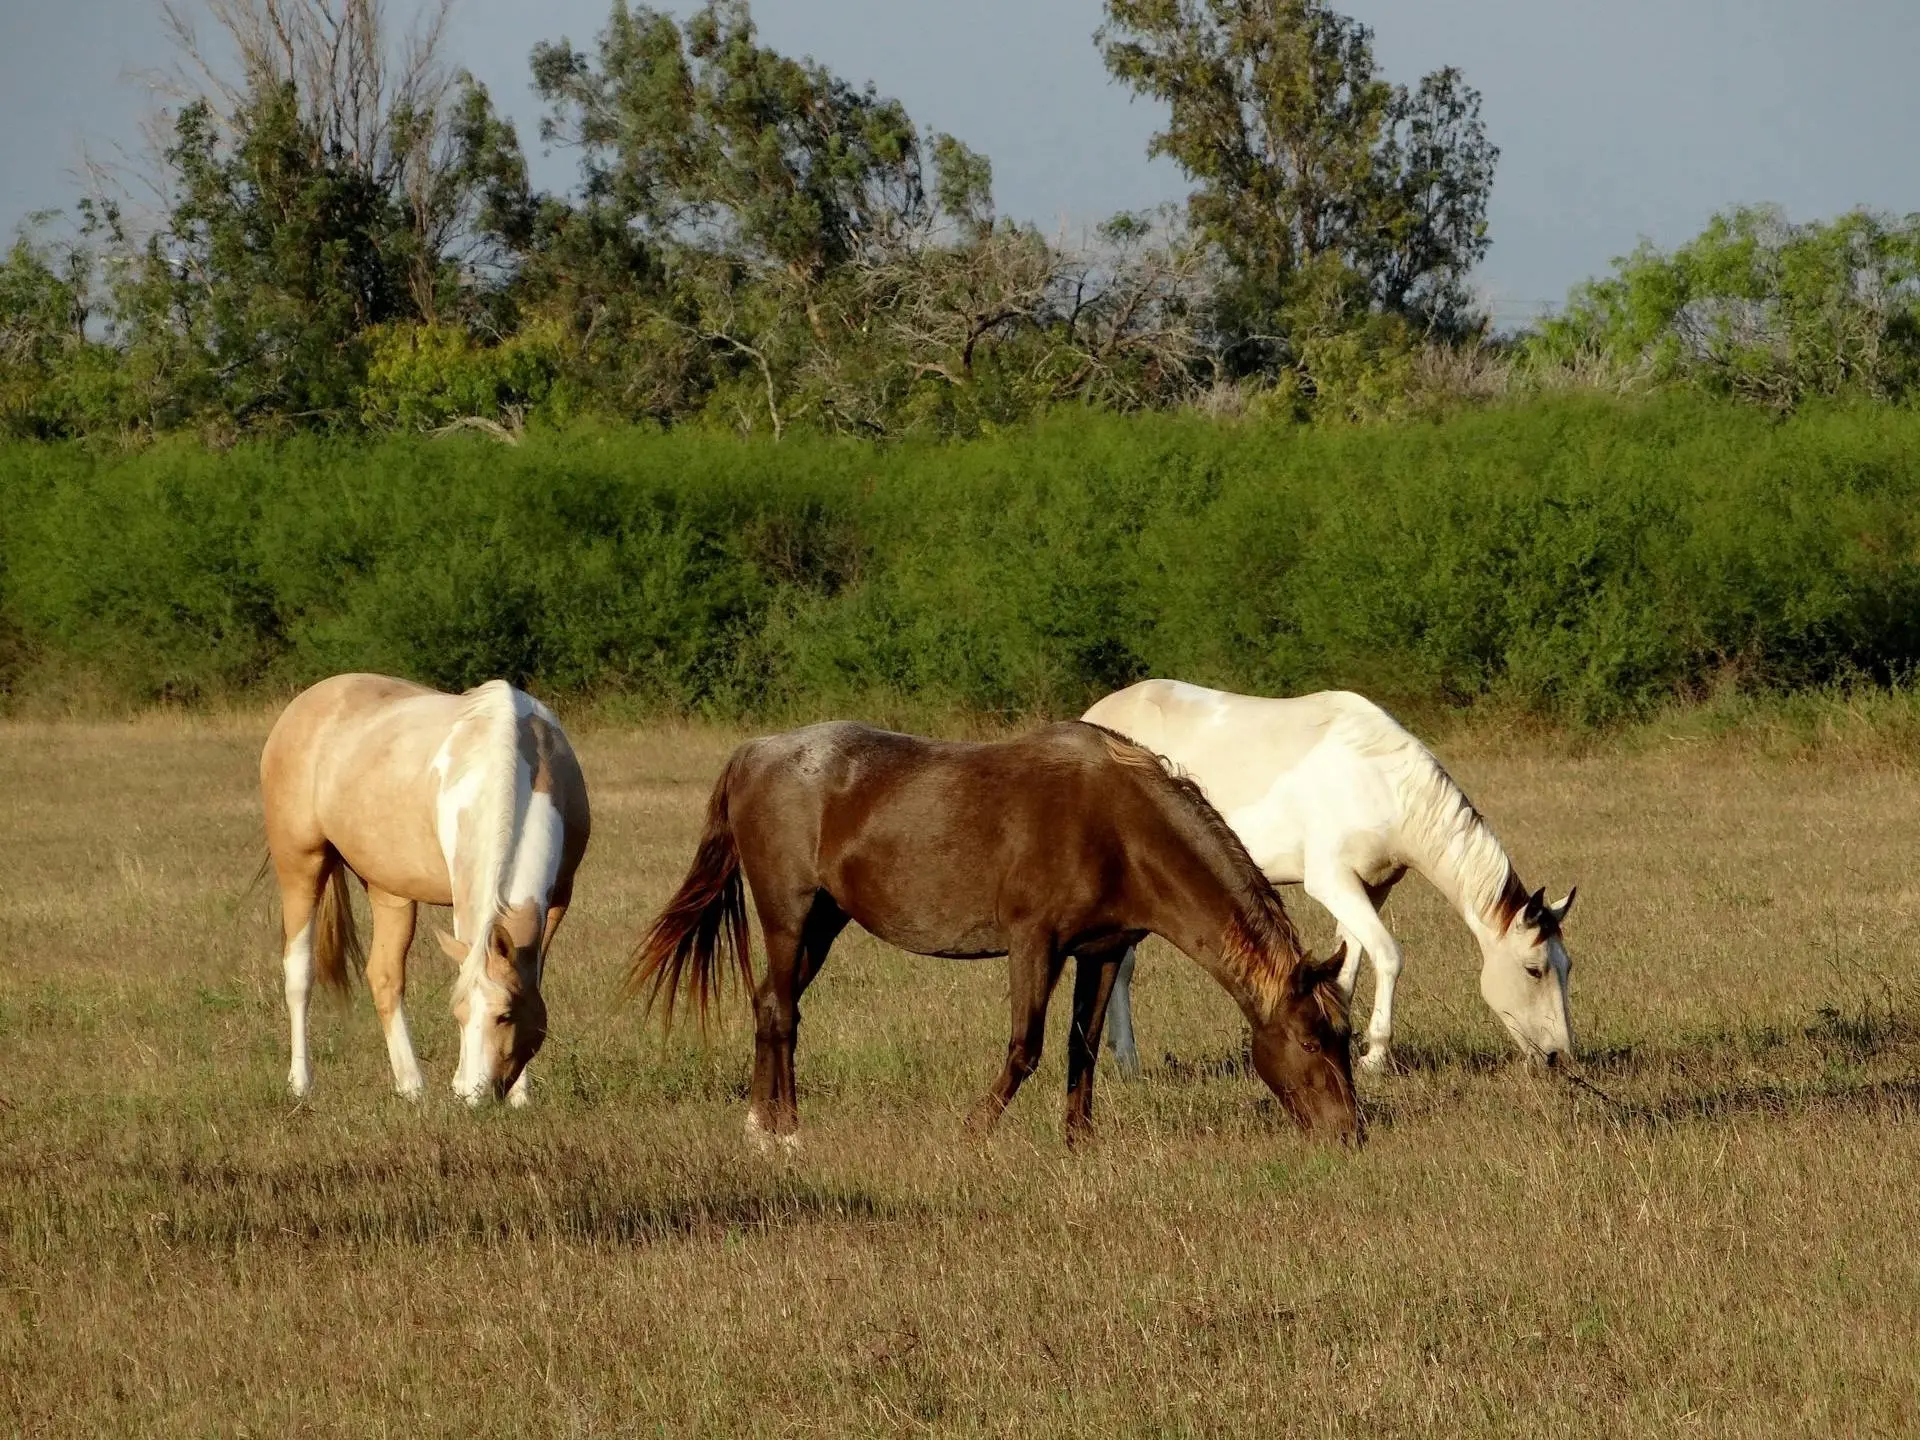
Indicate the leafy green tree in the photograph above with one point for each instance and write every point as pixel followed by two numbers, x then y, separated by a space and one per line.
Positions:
pixel 52 374
pixel 1331 193
pixel 323 179
pixel 730 196
pixel 1756 307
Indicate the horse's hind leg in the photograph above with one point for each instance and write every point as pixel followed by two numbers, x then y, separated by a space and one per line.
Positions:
pixel 302 877
pixel 1119 1025
pixel 1033 968
pixel 797 946
pixel 393 918
pixel 1093 984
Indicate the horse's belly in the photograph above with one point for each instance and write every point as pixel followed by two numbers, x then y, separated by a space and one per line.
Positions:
pixel 962 940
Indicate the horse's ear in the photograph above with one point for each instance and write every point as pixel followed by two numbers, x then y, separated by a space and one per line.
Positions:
pixel 1559 912
pixel 1311 974
pixel 1318 977
pixel 1536 906
pixel 455 950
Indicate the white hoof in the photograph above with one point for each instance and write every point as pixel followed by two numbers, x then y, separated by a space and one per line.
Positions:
pixel 520 1096
pixel 299 1083
pixel 1376 1061
pixel 759 1138
pixel 763 1141
pixel 410 1089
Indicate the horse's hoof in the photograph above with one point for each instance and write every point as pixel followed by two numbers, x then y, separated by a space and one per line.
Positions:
pixel 519 1098
pixel 299 1086
pixel 759 1137
pixel 1377 1061
pixel 410 1090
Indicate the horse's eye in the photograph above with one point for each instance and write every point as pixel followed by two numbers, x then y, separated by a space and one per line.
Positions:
pixel 1312 1047
pixel 1538 972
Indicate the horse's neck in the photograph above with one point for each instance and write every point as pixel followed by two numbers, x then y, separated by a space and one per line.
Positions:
pixel 1463 859
pixel 1204 910
pixel 481 790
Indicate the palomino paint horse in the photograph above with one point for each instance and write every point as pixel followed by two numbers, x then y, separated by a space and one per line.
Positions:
pixel 1327 789
pixel 1069 841
pixel 474 801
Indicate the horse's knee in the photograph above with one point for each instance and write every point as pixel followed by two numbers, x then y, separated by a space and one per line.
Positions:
pixel 774 1023
pixel 387 992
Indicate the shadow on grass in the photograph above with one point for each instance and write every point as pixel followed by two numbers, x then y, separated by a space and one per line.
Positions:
pixel 1829 1049
pixel 223 1203
pixel 1888 1099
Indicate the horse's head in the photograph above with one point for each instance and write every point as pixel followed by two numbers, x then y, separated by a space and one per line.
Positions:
pixel 1304 1051
pixel 496 1000
pixel 1523 976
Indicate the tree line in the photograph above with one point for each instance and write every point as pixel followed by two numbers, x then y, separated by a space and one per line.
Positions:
pixel 344 236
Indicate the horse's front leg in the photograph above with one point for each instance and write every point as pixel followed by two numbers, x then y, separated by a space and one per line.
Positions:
pixel 521 1094
pixel 1094 976
pixel 1033 969
pixel 393 920
pixel 1341 892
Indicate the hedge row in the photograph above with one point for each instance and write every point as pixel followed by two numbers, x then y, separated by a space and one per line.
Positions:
pixel 1583 559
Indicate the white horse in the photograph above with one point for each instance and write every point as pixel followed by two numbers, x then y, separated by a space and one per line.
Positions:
pixel 474 801
pixel 1330 791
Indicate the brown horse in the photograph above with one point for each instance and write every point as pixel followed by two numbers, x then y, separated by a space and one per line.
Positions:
pixel 1069 841
pixel 474 801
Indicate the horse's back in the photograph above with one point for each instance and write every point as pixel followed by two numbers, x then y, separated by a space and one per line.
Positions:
pixel 927 843
pixel 1291 774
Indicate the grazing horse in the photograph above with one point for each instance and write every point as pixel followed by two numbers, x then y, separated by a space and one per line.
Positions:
pixel 1328 790
pixel 474 801
pixel 1069 841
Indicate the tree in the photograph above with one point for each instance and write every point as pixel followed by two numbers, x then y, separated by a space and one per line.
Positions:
pixel 1756 307
pixel 1329 192
pixel 319 178
pixel 54 379
pixel 731 198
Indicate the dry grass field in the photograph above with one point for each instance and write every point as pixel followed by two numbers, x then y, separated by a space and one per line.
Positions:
pixel 1719 1239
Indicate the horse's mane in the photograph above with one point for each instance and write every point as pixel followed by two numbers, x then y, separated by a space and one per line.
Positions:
pixel 1261 940
pixel 494 720
pixel 1438 822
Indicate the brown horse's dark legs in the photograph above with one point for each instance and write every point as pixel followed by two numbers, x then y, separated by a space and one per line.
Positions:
pixel 1033 968
pixel 1093 977
pixel 794 957
pixel 771 1110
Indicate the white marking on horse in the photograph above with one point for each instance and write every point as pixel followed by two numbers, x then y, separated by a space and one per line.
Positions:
pixel 297 963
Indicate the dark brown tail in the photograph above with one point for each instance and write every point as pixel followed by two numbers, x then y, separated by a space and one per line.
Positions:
pixel 705 920
pixel 336 944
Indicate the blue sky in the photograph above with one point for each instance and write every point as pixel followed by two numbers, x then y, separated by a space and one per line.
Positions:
pixel 1616 121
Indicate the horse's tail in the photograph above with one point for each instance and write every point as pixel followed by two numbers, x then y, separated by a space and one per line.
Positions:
pixel 336 944
pixel 705 921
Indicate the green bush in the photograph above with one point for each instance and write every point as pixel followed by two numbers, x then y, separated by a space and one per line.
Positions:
pixel 1583 559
